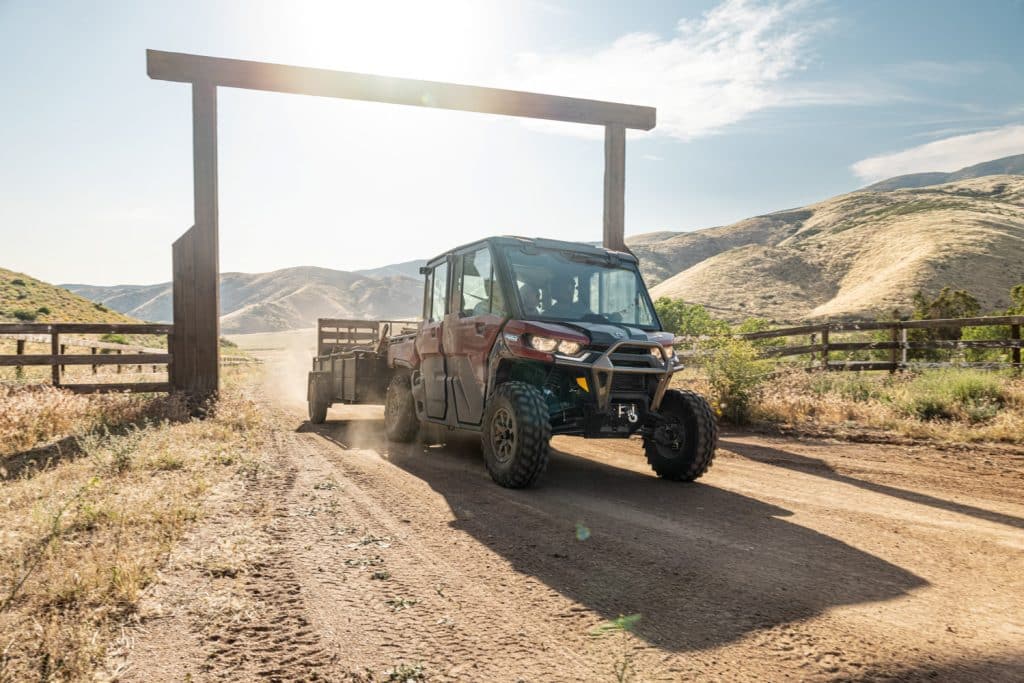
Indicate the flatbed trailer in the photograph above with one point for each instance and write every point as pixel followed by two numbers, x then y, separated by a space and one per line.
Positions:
pixel 351 364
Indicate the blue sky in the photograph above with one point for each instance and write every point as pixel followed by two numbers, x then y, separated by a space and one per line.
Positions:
pixel 761 106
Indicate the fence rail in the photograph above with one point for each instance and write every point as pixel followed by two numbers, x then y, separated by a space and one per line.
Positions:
pixel 820 347
pixel 58 358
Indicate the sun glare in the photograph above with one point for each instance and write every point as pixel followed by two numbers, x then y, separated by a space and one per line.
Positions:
pixel 436 41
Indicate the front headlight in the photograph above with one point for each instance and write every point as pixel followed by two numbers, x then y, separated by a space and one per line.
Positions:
pixel 670 352
pixel 569 348
pixel 550 345
pixel 545 344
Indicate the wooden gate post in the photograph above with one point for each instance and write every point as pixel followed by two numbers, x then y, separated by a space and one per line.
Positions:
pixel 1015 352
pixel 196 287
pixel 615 187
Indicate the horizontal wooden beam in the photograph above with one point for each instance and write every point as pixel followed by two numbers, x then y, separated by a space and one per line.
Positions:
pixel 238 73
pixel 112 328
pixel 134 387
pixel 785 332
pixel 86 359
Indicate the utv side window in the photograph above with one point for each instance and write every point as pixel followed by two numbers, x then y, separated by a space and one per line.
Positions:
pixel 439 287
pixel 477 291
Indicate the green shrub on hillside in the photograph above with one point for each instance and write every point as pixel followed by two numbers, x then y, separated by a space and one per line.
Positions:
pixel 25 315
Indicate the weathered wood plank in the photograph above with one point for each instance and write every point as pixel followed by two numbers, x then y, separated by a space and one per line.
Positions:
pixel 863 346
pixel 206 242
pixel 786 332
pixel 615 187
pixel 133 387
pixel 83 359
pixel 24 328
pixel 54 351
pixel 779 351
pixel 112 328
pixel 238 73
pixel 182 340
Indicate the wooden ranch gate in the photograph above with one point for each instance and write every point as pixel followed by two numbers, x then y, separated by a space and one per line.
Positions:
pixel 196 252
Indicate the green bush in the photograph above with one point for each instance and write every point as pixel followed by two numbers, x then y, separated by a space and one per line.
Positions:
pixel 688 320
pixel 43 310
pixel 100 307
pixel 25 315
pixel 18 282
pixel 734 372
pixel 112 338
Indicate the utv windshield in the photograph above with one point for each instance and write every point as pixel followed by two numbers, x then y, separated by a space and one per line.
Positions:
pixel 563 285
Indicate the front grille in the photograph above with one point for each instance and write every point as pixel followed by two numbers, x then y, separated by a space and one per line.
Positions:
pixel 622 382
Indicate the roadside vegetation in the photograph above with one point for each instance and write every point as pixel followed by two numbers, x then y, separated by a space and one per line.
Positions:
pixel 956 405
pixel 94 493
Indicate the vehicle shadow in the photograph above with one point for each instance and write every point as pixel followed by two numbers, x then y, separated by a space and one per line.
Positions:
pixel 820 468
pixel 702 565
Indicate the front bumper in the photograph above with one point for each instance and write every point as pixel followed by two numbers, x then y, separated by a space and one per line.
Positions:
pixel 602 367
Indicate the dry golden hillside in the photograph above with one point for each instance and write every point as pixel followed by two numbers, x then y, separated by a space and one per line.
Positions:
pixel 859 254
pixel 26 299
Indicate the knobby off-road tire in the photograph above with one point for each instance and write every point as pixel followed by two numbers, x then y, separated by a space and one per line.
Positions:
pixel 696 432
pixel 400 421
pixel 318 399
pixel 516 433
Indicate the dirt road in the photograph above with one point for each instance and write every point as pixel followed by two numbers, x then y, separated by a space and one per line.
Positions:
pixel 345 558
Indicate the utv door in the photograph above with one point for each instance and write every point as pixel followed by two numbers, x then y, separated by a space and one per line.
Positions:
pixel 430 342
pixel 470 329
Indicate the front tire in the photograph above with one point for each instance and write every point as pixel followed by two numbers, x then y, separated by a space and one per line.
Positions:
pixel 400 421
pixel 682 450
pixel 516 435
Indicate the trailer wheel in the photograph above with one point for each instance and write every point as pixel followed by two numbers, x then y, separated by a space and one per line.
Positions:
pixel 400 422
pixel 318 399
pixel 682 449
pixel 515 436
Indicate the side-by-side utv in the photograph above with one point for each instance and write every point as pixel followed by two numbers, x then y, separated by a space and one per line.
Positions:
pixel 522 339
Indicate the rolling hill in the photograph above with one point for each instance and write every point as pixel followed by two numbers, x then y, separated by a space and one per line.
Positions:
pixel 26 299
pixel 286 299
pixel 859 254
pixel 1011 165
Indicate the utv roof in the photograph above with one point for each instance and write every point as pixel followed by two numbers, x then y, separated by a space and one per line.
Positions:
pixel 538 243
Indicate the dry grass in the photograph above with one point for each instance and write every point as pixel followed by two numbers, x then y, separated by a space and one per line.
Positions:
pixel 81 538
pixel 953 406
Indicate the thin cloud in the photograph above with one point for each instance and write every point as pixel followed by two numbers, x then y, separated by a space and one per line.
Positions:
pixel 714 71
pixel 948 154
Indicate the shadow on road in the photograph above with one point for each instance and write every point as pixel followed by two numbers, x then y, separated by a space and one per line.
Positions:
pixel 702 565
pixel 820 468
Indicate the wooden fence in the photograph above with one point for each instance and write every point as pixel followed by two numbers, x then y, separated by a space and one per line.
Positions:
pixel 820 344
pixel 58 358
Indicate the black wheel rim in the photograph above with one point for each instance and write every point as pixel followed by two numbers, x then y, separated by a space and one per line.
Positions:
pixel 670 439
pixel 503 435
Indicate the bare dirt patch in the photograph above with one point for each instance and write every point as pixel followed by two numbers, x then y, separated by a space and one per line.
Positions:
pixel 805 559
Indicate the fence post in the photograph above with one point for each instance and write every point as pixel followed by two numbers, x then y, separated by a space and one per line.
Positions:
pixel 119 365
pixel 19 348
pixel 93 349
pixel 813 339
pixel 903 346
pixel 54 351
pixel 63 350
pixel 1015 352
pixel 824 348
pixel 895 337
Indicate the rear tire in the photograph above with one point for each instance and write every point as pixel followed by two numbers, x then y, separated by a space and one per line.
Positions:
pixel 516 434
pixel 400 421
pixel 318 399
pixel 683 450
